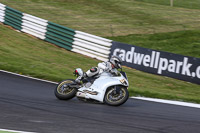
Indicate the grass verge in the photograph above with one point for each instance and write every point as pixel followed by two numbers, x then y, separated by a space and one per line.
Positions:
pixel 190 4
pixel 113 17
pixel 179 42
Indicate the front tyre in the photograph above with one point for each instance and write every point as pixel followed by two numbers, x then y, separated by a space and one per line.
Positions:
pixel 63 91
pixel 115 99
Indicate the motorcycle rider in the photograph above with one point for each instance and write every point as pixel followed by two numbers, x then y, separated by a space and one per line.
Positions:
pixel 110 66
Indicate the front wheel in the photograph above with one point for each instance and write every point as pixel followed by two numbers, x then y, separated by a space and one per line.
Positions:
pixel 114 98
pixel 63 91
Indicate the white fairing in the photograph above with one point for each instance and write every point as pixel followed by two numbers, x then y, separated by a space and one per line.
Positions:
pixel 100 86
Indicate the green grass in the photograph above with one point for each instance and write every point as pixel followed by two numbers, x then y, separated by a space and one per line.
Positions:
pixel 112 17
pixel 23 54
pixel 30 56
pixel 180 42
pixel 6 132
pixel 191 4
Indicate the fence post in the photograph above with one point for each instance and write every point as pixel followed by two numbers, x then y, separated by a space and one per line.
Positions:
pixel 171 3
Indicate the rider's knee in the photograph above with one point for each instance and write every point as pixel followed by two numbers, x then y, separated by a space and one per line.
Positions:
pixel 92 72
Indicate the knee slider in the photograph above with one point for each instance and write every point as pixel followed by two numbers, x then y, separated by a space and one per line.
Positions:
pixel 93 70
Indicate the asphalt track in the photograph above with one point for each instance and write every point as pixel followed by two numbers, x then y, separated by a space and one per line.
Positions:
pixel 30 105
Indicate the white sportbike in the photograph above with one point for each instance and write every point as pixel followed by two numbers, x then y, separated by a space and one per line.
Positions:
pixel 106 88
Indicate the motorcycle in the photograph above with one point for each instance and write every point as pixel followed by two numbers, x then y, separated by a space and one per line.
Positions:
pixel 108 88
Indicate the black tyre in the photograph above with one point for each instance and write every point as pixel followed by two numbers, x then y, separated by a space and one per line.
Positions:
pixel 115 99
pixel 63 92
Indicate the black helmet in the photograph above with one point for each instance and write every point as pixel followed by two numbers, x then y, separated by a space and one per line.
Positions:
pixel 116 61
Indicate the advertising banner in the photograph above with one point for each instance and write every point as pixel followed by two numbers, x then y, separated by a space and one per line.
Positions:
pixel 158 62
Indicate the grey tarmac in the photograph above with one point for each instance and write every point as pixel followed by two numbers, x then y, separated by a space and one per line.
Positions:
pixel 30 105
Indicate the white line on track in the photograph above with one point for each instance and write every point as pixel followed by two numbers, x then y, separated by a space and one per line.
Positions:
pixel 140 98
pixel 169 102
pixel 29 77
pixel 14 131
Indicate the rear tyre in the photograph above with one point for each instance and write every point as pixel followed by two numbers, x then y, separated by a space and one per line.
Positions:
pixel 63 91
pixel 115 99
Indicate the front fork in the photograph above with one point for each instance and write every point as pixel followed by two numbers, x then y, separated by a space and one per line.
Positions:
pixel 117 90
pixel 72 85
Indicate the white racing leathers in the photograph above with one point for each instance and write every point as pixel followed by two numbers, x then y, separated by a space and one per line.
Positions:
pixel 102 67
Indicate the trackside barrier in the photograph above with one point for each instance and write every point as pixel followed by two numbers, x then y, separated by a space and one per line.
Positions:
pixel 158 62
pixel 98 47
pixel 34 25
pixel 13 18
pixel 60 35
pixel 2 12
pixel 76 41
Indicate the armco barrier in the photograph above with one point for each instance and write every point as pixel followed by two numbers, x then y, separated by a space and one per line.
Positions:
pixel 97 47
pixel 76 41
pixel 34 25
pixel 2 12
pixel 13 18
pixel 60 35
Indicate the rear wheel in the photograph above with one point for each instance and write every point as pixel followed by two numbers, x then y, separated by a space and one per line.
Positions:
pixel 63 91
pixel 114 98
